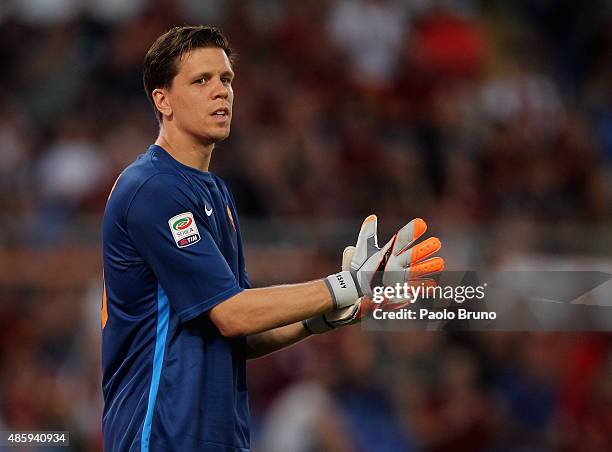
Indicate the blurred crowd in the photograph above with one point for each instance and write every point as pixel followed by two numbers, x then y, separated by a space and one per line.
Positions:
pixel 466 113
pixel 482 111
pixel 413 391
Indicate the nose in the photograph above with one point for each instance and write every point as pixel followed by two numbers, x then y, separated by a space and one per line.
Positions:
pixel 221 91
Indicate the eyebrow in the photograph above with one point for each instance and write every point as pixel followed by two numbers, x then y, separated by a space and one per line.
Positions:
pixel 209 74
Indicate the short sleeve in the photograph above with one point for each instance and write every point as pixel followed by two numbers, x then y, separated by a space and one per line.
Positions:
pixel 164 222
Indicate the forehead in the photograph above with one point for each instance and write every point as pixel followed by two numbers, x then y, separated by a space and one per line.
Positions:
pixel 204 59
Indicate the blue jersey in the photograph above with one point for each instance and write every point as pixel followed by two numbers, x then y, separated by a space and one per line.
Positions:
pixel 172 251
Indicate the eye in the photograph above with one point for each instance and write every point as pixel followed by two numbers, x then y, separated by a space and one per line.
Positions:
pixel 226 80
pixel 201 81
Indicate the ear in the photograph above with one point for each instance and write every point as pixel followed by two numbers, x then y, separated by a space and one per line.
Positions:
pixel 162 103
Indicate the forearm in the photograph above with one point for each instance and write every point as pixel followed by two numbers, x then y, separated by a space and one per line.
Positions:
pixel 270 341
pixel 255 310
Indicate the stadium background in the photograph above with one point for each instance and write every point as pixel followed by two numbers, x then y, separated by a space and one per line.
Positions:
pixel 490 119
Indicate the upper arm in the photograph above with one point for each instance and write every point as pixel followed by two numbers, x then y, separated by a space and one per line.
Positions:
pixel 165 224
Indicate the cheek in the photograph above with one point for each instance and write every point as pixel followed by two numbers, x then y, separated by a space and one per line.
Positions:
pixel 178 106
pixel 190 108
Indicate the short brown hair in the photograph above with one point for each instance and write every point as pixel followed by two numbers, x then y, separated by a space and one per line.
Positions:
pixel 160 63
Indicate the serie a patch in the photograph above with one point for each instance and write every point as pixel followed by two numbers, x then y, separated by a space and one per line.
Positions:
pixel 184 229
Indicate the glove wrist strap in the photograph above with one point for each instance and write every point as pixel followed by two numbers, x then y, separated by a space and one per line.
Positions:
pixel 343 288
pixel 317 325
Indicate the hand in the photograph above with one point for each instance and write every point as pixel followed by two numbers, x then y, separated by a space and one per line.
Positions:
pixel 398 260
pixel 395 263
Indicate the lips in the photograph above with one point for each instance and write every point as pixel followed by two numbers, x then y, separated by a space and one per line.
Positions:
pixel 222 112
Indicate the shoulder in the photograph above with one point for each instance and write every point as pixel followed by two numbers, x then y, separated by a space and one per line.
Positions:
pixel 148 169
pixel 150 181
pixel 161 191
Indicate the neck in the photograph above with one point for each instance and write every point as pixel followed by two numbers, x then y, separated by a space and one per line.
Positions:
pixel 185 150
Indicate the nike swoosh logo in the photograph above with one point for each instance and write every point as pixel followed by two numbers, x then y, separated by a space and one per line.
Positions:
pixel 208 212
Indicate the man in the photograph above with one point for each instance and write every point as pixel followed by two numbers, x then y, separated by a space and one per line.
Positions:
pixel 179 319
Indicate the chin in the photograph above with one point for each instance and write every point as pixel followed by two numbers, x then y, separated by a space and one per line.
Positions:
pixel 220 136
pixel 212 137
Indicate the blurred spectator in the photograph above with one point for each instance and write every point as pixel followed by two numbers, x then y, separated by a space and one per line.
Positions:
pixel 46 12
pixel 370 32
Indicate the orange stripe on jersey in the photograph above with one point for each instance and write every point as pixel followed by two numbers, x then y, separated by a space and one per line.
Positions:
pixel 229 215
pixel 104 308
pixel 113 187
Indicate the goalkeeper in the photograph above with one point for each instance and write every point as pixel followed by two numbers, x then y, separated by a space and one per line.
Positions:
pixel 179 319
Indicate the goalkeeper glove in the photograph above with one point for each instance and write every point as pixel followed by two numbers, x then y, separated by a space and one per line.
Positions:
pixel 399 261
